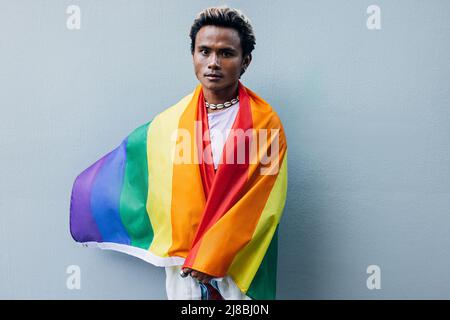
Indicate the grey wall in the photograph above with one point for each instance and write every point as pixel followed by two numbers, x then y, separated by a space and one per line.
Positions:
pixel 366 114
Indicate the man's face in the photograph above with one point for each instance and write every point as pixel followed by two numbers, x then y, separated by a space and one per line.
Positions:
pixel 217 52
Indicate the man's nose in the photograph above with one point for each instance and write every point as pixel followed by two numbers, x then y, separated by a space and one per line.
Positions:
pixel 214 62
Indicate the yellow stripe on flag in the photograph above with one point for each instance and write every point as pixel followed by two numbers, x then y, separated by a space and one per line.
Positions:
pixel 160 147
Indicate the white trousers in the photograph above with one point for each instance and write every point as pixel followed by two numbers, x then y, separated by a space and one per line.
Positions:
pixel 188 288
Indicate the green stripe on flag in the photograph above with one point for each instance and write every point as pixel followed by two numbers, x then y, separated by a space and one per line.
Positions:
pixel 135 189
pixel 264 284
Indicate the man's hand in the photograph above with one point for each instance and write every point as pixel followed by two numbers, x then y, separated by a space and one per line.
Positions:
pixel 200 276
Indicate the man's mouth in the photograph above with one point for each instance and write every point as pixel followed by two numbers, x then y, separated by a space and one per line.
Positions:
pixel 212 76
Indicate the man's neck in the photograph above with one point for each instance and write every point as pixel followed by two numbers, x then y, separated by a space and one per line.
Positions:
pixel 216 97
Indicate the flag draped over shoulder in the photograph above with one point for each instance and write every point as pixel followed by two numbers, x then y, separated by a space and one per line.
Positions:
pixel 157 195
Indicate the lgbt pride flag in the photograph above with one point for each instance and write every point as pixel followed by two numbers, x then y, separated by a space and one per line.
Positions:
pixel 157 195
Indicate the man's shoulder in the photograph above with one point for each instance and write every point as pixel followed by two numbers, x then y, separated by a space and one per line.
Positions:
pixel 264 110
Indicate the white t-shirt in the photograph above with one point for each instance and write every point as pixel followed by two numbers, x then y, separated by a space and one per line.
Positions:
pixel 220 122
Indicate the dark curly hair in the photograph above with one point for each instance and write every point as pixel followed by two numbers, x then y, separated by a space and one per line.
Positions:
pixel 224 16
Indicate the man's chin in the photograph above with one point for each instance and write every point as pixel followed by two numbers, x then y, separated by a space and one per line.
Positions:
pixel 212 85
pixel 217 85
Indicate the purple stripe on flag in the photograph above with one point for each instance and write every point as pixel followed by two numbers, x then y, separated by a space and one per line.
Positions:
pixel 82 224
pixel 105 196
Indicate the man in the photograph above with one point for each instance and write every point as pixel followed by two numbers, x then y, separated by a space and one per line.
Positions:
pixel 219 61
pixel 200 189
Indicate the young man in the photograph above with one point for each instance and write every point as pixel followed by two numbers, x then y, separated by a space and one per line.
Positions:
pixel 200 189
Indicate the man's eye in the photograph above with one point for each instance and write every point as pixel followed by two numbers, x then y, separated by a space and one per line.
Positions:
pixel 204 51
pixel 227 54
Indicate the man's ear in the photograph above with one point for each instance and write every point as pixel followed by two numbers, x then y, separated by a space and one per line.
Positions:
pixel 245 63
pixel 247 60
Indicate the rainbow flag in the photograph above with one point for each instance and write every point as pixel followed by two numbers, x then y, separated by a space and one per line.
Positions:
pixel 157 195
